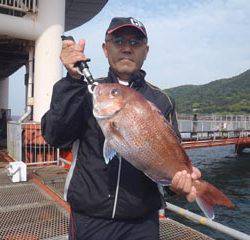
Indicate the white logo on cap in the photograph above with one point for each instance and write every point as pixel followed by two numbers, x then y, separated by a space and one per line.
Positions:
pixel 136 22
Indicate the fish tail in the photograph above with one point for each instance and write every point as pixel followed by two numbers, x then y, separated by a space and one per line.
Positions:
pixel 208 196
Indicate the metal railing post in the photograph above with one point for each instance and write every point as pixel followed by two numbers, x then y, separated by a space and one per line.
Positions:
pixel 58 156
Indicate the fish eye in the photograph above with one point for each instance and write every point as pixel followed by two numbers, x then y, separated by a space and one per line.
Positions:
pixel 114 92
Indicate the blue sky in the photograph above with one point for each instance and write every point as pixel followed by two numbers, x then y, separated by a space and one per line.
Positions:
pixel 191 41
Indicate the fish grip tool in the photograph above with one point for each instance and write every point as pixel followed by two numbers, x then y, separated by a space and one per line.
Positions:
pixel 83 68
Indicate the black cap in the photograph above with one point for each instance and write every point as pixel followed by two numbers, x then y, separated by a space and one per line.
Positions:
pixel 119 22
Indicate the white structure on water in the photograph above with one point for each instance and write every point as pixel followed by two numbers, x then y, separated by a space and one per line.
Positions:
pixel 30 34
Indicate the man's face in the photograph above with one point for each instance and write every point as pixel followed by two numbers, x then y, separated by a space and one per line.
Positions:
pixel 126 51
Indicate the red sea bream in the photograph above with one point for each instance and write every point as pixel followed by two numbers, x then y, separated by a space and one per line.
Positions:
pixel 135 129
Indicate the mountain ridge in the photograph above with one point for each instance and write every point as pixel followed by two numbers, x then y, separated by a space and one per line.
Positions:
pixel 221 96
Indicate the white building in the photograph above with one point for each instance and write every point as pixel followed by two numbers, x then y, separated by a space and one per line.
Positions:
pixel 30 35
pixel 31 30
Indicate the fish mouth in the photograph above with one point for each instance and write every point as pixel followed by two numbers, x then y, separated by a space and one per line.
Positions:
pixel 106 116
pixel 104 110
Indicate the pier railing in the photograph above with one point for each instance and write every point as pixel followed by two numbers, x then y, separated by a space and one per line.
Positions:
pixel 213 117
pixel 213 127
pixel 203 123
pixel 25 143
pixel 214 135
pixel 23 6
pixel 207 222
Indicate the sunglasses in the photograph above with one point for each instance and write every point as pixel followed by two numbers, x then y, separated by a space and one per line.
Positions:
pixel 120 41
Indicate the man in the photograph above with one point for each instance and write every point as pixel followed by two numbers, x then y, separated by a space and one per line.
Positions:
pixel 106 205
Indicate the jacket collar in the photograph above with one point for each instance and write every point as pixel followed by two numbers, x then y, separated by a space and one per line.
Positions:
pixel 137 80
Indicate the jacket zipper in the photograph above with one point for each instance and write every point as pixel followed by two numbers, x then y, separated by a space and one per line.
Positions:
pixel 117 186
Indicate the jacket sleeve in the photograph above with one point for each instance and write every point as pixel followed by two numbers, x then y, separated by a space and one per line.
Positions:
pixel 61 124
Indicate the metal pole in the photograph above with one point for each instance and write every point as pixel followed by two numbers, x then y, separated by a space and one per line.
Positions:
pixel 207 222
pixel 29 86
pixel 58 156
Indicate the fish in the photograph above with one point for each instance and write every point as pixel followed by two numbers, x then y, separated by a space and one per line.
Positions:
pixel 135 129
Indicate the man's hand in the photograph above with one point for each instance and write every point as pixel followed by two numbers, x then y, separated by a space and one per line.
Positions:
pixel 182 183
pixel 72 53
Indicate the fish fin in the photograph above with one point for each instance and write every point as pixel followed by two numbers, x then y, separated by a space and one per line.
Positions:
pixel 208 196
pixel 114 129
pixel 205 207
pixel 108 152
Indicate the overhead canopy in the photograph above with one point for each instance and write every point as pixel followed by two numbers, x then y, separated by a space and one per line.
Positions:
pixel 13 55
pixel 13 52
pixel 80 11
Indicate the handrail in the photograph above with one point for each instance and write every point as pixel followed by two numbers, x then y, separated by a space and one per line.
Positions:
pixel 207 222
pixel 203 124
pixel 212 117
pixel 20 5
pixel 188 136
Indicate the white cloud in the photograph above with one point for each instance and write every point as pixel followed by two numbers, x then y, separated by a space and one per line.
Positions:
pixel 191 42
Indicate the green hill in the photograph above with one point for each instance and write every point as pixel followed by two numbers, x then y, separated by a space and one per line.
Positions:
pixel 224 96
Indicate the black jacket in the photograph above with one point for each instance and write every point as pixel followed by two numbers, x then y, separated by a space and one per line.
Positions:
pixel 93 184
